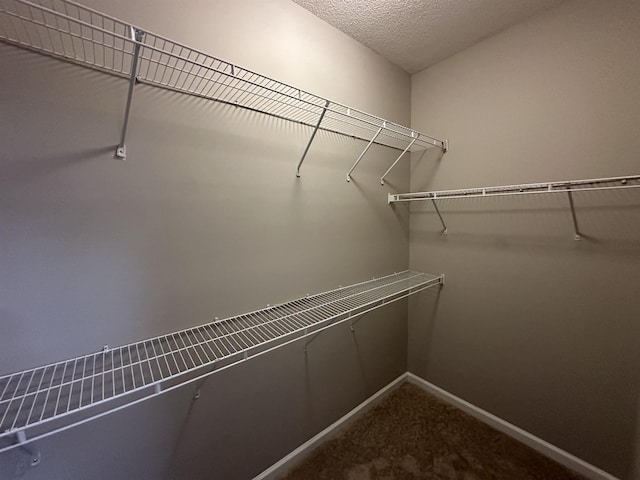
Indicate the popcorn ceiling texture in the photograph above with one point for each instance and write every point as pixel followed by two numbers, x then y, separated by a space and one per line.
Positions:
pixel 415 34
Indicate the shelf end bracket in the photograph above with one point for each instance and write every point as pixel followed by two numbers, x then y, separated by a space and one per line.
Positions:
pixel 313 135
pixel 137 36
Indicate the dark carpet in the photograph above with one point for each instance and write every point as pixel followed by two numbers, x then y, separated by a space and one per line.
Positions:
pixel 413 435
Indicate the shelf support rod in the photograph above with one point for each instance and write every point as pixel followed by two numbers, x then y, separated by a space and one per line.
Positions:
pixel 444 226
pixel 136 35
pixel 576 229
pixel 398 159
pixel 352 324
pixel 365 151
pixel 313 135
pixel 34 455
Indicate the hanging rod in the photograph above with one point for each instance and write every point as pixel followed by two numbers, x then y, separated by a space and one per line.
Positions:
pixel 568 186
pixel 69 31
pixel 41 401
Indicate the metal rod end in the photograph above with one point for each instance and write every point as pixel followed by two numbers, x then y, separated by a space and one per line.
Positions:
pixel 348 178
pixel 445 146
pixel 445 231
pixel 382 181
pixel 577 237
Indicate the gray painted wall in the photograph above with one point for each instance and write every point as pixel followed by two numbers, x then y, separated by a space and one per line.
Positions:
pixel 533 326
pixel 205 218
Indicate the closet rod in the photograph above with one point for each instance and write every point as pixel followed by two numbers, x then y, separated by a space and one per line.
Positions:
pixel 567 186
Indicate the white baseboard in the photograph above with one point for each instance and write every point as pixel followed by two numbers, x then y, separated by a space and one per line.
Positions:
pixel 545 448
pixel 296 457
pixel 572 462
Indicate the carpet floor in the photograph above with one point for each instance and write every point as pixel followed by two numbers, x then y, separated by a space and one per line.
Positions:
pixel 413 435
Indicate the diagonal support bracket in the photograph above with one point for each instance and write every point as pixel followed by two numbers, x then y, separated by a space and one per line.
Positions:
pixel 34 455
pixel 356 320
pixel 384 124
pixel 398 159
pixel 576 229
pixel 137 36
pixel 444 226
pixel 313 135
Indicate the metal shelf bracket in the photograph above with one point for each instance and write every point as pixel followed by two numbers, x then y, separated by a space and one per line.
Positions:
pixel 415 137
pixel 373 139
pixel 313 135
pixel 137 36
pixel 576 229
pixel 444 226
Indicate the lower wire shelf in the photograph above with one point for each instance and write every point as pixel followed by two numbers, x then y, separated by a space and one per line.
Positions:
pixel 45 400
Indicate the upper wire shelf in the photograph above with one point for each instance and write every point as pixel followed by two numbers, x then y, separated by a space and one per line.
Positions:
pixel 38 402
pixel 70 31
pixel 568 186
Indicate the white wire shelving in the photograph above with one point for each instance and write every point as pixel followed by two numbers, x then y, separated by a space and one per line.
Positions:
pixel 39 402
pixel 70 31
pixel 568 186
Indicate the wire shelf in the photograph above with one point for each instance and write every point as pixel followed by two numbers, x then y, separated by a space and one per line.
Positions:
pixel 35 401
pixel 568 186
pixel 70 31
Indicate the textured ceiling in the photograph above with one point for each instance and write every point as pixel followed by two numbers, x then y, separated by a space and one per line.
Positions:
pixel 414 34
